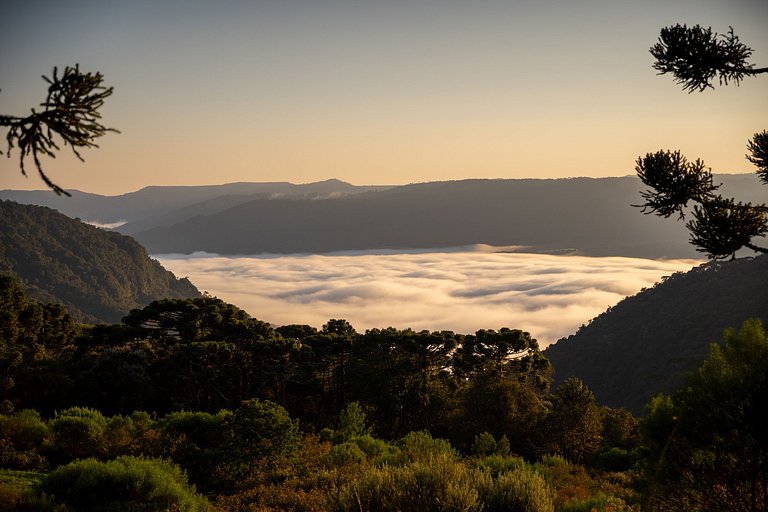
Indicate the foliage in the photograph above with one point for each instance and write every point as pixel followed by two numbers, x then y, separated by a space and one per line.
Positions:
pixel 696 56
pixel 77 433
pixel 518 490
pixel 421 446
pixel 27 332
pixel 96 274
pixel 259 429
pixel 125 483
pixel 21 439
pixel 707 447
pixel 720 226
pixel 416 487
pixel 652 339
pixel 193 440
pixel 351 423
pixel 574 426
pixel 70 113
pixel 17 492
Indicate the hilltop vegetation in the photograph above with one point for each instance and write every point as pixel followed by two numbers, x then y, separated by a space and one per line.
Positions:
pixel 98 275
pixel 194 405
pixel 648 342
pixel 296 418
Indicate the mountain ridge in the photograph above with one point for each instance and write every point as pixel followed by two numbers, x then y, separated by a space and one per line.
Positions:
pixel 647 343
pixel 592 215
pixel 98 275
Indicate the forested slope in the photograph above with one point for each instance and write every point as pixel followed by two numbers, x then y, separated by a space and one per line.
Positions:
pixel 648 342
pixel 98 275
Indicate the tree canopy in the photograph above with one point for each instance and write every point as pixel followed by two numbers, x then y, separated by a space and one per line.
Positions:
pixel 719 226
pixel 707 447
pixel 70 113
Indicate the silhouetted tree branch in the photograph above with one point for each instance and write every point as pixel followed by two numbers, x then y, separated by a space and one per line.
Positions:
pixel 674 182
pixel 719 227
pixel 696 56
pixel 70 112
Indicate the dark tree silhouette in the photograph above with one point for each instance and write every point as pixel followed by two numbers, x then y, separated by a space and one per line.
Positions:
pixel 719 226
pixel 696 56
pixel 70 113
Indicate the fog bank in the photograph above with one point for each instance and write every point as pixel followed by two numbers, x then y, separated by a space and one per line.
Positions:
pixel 461 290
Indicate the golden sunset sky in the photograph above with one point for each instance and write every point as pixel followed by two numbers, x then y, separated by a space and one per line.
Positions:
pixel 377 92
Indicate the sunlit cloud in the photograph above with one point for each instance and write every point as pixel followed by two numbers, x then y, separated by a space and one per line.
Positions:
pixel 459 290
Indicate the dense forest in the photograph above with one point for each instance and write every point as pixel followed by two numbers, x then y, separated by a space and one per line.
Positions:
pixel 654 338
pixel 191 404
pixel 98 275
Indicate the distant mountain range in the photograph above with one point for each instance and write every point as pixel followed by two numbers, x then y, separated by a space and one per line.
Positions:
pixel 646 343
pixel 97 274
pixel 583 215
pixel 166 205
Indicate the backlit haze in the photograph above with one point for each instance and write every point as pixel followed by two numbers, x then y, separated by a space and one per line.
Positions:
pixel 377 92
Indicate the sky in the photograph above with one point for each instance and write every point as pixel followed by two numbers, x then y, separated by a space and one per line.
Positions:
pixel 377 92
pixel 461 290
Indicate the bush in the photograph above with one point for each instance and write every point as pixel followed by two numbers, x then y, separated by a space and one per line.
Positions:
pixel 498 464
pixel 421 446
pixel 124 484
pixel 24 429
pixel 77 433
pixel 485 444
pixel 17 492
pixel 418 487
pixel 519 490
pixel 347 453
pixel 615 459
pixel 351 423
pixel 260 429
pixel 376 449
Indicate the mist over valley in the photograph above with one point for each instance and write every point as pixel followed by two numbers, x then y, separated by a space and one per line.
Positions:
pixel 463 289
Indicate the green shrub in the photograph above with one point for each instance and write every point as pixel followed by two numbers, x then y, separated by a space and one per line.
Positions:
pixel 377 449
pixel 347 453
pixel 17 492
pixel 24 429
pixel 77 433
pixel 255 433
pixel 597 503
pixel 484 444
pixel 615 459
pixel 437 484
pixel 124 484
pixel 498 464
pixel 200 428
pixel 421 446
pixel 351 423
pixel 519 490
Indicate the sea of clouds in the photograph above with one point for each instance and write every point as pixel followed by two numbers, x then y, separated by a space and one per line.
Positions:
pixel 461 290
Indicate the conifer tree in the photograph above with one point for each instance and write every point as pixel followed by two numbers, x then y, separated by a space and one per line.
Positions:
pixel 69 115
pixel 719 226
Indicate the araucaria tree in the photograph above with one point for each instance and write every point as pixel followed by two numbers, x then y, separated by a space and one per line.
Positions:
pixel 719 226
pixel 69 115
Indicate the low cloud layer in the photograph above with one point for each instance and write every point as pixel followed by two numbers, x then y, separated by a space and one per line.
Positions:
pixel 461 290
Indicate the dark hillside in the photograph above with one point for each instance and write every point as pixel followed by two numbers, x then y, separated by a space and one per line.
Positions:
pixel 98 275
pixel 646 343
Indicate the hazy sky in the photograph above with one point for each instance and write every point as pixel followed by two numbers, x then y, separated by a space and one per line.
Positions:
pixel 463 291
pixel 377 92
